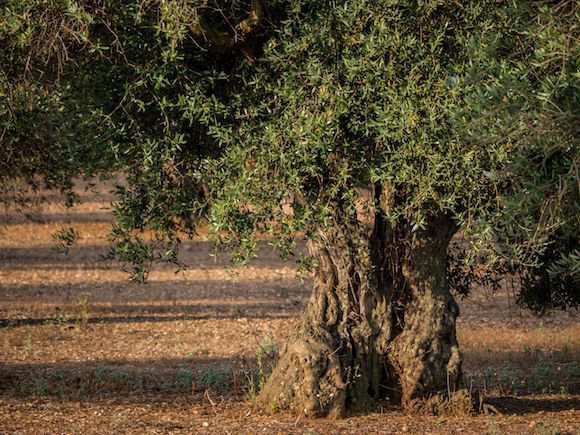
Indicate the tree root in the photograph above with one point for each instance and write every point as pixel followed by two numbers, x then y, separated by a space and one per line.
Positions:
pixel 460 403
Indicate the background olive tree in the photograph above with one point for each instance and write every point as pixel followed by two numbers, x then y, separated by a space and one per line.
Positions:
pixel 49 124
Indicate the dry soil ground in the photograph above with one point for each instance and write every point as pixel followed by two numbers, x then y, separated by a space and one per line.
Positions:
pixel 84 350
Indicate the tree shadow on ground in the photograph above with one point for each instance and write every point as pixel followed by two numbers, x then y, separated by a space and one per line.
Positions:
pixel 125 380
pixel 177 292
pixel 61 218
pixel 188 379
pixel 170 313
pixel 510 362
pixel 523 373
pixel 123 302
pixel 529 405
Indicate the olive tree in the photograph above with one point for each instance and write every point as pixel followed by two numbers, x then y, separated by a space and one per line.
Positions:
pixel 375 129
pixel 456 117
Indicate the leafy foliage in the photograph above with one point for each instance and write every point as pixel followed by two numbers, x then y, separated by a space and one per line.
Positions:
pixel 527 105
pixel 268 117
pixel 50 129
pixel 467 109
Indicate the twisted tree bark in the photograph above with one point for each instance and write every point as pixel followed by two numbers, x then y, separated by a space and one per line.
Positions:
pixel 333 362
pixel 380 322
pixel 426 353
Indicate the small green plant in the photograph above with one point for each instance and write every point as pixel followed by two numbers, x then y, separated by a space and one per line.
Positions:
pixel 540 373
pixel 216 378
pixel 27 346
pixel 135 381
pixel 184 380
pixel 274 406
pixel 83 310
pixel 39 387
pixel 101 373
pixel 237 312
pixel 267 348
pixel 36 387
pixel 572 370
pixel 507 379
pixel 60 318
pixel 256 378
pixel 252 384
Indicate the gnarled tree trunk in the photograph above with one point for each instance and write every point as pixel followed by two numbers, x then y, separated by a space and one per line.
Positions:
pixel 426 353
pixel 332 362
pixel 381 321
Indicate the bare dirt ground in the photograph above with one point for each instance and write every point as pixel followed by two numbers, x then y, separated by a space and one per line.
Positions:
pixel 83 350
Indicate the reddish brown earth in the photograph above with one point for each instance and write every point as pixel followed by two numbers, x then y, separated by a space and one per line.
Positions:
pixel 84 350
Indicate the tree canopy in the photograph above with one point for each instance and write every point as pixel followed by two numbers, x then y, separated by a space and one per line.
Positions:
pixel 468 109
